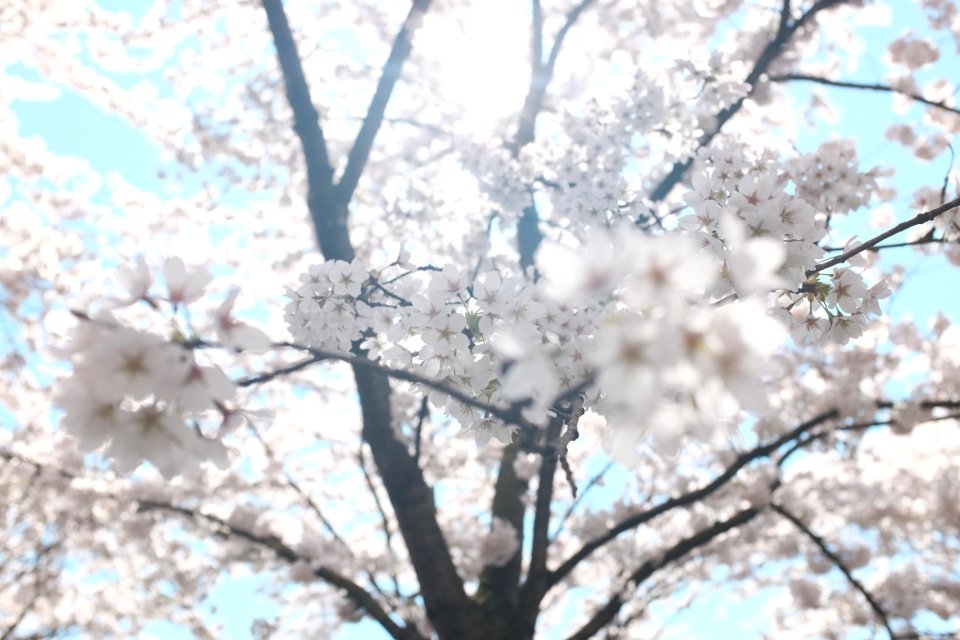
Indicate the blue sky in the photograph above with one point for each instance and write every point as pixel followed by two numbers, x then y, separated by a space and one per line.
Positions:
pixel 71 125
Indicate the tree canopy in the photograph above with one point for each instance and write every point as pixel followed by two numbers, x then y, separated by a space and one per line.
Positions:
pixel 477 320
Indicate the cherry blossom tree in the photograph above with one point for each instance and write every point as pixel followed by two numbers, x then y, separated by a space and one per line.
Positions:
pixel 479 319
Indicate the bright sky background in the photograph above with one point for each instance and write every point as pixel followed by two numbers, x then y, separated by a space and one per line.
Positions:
pixel 71 125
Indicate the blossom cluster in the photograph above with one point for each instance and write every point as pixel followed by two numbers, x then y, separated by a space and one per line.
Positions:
pixel 745 217
pixel 622 316
pixel 326 311
pixel 135 394
pixel 130 390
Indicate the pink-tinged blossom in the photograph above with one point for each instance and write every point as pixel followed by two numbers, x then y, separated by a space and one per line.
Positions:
pixel 136 281
pixel 445 335
pixel 184 287
pixel 130 363
pixel 129 390
pixel 665 269
pixel 845 328
pixel 233 418
pixel 158 435
pixel 871 301
pixel 588 273
pixel 490 428
pixel 237 335
pixel 628 357
pixel 347 278
pixel 204 387
pixel 89 419
pixel 810 329
pixel 744 339
pixel 847 290
pixel 703 201
pixel 751 264
pixel 530 372
pixel 913 52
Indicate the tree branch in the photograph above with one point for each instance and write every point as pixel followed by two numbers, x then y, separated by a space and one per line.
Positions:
pixel 528 231
pixel 295 486
pixel 448 607
pixel 802 77
pixel 785 30
pixel 279 373
pixel 509 415
pixel 541 73
pixel 452 613
pixel 402 45
pixel 835 559
pixel 306 124
pixel 499 586
pixel 608 612
pixel 918 219
pixel 354 591
pixel 536 585
pixel 688 498
pixel 384 519
pixel 593 482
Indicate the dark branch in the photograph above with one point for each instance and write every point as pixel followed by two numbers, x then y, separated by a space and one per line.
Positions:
pixel 686 499
pixel 605 615
pixel 918 219
pixel 306 124
pixel 360 152
pixel 384 519
pixel 293 484
pixel 422 416
pixel 785 30
pixel 528 227
pixel 354 591
pixel 510 415
pixel 802 77
pixel 541 73
pixel 447 605
pixel 536 584
pixel 835 559
pixel 279 373
pixel 571 20
pixel 499 586
pixel 926 239
pixel 593 482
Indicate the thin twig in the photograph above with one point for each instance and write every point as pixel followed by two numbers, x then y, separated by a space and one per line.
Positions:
pixel 918 219
pixel 277 373
pixel 803 77
pixel 509 415
pixel 594 481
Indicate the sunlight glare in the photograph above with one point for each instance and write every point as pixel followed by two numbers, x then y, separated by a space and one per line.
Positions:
pixel 484 83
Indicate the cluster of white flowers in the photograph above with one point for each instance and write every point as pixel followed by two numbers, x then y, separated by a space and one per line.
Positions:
pixel 133 392
pixel 326 311
pixel 666 363
pixel 830 179
pixel 496 339
pixel 749 221
pixel 625 310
